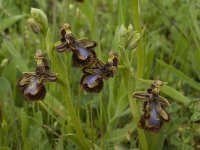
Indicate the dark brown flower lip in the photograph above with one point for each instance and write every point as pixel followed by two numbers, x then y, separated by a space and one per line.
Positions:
pixel 153 129
pixel 39 96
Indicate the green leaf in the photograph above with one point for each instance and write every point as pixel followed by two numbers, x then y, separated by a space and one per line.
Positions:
pixel 5 90
pixel 24 125
pixel 175 140
pixel 195 116
pixel 122 35
pixel 76 140
pixel 4 148
pixel 7 45
pixel 53 106
pixel 155 140
pixel 118 135
pixel 174 94
pixel 180 74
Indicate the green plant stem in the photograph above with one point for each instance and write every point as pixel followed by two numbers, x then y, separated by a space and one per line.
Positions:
pixel 129 81
pixel 140 72
pixel 101 118
pixel 136 115
pixel 63 75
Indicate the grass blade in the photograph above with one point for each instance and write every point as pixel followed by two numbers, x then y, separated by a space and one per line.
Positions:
pixel 6 23
pixel 181 75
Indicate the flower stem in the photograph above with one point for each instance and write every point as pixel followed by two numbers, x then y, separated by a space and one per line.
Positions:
pixel 140 72
pixel 63 75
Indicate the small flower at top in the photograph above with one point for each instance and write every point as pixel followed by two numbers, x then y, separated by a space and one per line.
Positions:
pixel 83 53
pixel 92 80
pixel 154 113
pixel 32 84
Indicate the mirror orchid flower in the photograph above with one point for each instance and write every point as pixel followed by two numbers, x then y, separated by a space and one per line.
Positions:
pixel 92 80
pixel 32 84
pixel 82 49
pixel 154 113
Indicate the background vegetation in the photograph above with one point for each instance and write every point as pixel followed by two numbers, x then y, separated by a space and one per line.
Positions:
pixel 69 118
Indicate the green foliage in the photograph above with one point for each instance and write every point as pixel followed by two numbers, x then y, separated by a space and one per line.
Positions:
pixel 6 23
pixel 161 42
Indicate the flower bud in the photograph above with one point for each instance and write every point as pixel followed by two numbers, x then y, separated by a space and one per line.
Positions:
pixel 4 62
pixel 122 35
pixel 133 38
pixel 39 21
pixel 34 25
pixel 128 38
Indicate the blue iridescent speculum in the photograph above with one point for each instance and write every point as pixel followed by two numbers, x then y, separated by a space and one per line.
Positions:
pixel 91 80
pixel 35 90
pixel 82 53
pixel 32 87
pixel 154 118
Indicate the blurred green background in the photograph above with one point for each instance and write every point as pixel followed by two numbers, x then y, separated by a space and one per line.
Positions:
pixel 170 41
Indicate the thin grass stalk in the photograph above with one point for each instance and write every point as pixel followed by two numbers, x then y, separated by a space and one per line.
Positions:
pixel 130 83
pixel 140 73
pixel 101 119
pixel 67 92
pixel 140 51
